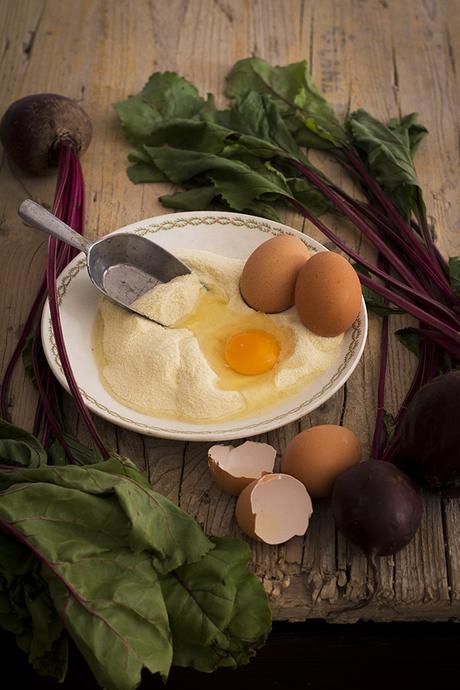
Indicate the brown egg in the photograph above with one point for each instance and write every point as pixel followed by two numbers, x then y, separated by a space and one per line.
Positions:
pixel 268 279
pixel 234 468
pixel 327 294
pixel 274 508
pixel 318 455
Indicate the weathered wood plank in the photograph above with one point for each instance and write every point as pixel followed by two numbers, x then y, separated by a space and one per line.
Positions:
pixel 23 252
pixel 389 57
pixel 430 85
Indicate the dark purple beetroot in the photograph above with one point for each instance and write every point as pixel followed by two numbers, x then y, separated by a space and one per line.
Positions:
pixel 376 507
pixel 429 447
pixel 33 127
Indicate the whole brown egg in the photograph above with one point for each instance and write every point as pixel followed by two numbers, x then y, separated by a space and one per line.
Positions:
pixel 327 294
pixel 269 275
pixel 317 456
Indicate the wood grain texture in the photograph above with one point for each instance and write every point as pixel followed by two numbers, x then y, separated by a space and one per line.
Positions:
pixel 388 56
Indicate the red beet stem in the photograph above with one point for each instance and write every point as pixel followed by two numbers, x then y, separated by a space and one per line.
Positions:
pixel 376 447
pixel 416 253
pixel 412 309
pixel 46 403
pixel 361 224
pixel 25 332
pixel 394 213
pixel 377 438
pixel 422 297
pixel 69 206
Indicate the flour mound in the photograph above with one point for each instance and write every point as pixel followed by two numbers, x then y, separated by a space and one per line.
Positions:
pixel 169 302
pixel 163 371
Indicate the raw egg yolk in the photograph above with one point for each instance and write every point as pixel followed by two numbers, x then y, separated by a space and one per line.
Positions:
pixel 251 352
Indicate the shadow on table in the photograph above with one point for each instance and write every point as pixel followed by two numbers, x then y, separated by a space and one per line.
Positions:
pixel 314 655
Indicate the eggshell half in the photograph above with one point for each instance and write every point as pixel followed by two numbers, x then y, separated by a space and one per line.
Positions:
pixel 327 294
pixel 234 468
pixel 269 275
pixel 274 508
pixel 317 456
pixel 245 518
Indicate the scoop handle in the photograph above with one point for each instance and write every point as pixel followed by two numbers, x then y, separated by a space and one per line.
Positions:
pixel 40 218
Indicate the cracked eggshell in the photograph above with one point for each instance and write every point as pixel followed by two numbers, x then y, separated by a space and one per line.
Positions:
pixel 234 468
pixel 274 508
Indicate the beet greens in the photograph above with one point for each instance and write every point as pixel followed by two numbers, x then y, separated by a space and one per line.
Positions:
pixel 250 156
pixel 103 559
pixel 88 546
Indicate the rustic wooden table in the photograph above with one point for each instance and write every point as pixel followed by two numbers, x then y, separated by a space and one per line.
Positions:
pixel 389 56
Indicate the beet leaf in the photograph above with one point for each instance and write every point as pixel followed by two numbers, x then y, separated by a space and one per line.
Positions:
pixel 307 114
pixel 212 627
pixel 388 153
pixel 27 611
pixel 132 577
pixel 18 447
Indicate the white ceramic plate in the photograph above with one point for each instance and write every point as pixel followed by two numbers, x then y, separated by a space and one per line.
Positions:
pixel 230 234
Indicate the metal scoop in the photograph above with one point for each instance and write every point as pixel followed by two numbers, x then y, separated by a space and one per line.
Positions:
pixel 123 266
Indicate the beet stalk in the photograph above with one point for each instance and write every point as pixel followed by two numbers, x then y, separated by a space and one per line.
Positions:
pixel 40 133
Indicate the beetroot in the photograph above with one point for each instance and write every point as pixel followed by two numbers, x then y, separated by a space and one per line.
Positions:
pixel 376 507
pixel 429 445
pixel 34 128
